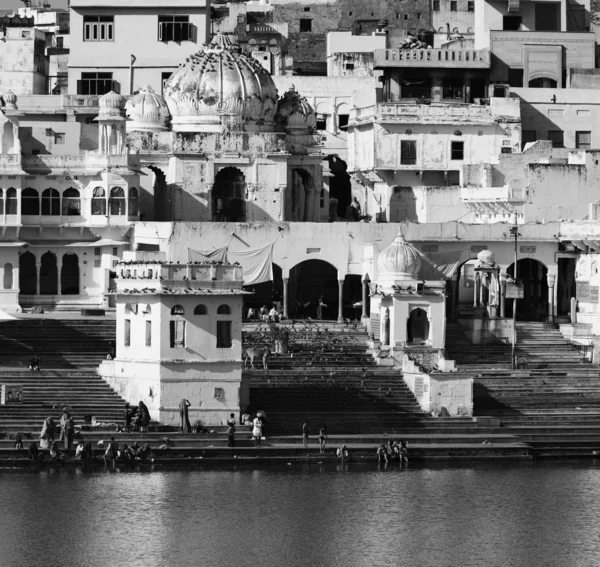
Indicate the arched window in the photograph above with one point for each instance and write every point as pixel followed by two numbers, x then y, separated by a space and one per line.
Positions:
pixel 11 201
pixel 71 203
pixel 200 310
pixel 30 202
pixel 1 202
pixel 117 201
pixel 99 201
pixel 50 202
pixel 147 310
pixel 48 275
pixel 8 276
pixel 542 83
pixel 27 274
pixel 177 310
pixel 223 310
pixel 134 202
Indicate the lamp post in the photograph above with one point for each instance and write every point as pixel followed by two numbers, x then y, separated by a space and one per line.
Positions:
pixel 514 232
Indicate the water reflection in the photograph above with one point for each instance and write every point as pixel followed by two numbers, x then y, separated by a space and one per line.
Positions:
pixel 304 514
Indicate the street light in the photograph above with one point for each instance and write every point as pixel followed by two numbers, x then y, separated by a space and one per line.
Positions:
pixel 514 232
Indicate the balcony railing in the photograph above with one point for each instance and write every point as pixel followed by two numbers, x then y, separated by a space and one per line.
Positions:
pixel 445 58
pixel 273 28
pixel 423 113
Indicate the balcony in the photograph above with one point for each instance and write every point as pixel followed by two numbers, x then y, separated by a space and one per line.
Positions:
pixel 399 113
pixel 432 58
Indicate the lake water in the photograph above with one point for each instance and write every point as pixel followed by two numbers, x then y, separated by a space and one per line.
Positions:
pixel 304 515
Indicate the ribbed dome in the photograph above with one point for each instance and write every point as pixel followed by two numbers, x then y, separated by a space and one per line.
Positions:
pixel 147 111
pixel 399 261
pixel 220 85
pixel 294 112
pixel 111 104
pixel 486 257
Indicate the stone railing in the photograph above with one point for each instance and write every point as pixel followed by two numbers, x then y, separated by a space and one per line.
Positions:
pixel 444 58
pixel 273 28
pixel 423 113
pixel 210 275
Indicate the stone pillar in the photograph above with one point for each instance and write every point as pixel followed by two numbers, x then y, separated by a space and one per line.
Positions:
pixel 467 88
pixel 308 193
pixel 340 301
pixel 503 295
pixel 437 90
pixel 385 328
pixel 58 271
pixel 365 295
pixel 286 282
pixel 282 196
pixel 573 310
pixel 37 275
pixel 551 311
pixel 316 216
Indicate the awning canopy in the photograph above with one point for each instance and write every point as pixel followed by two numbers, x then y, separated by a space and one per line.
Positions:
pixel 97 243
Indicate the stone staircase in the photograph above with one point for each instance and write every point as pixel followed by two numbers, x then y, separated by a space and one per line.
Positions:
pixel 552 402
pixel 328 377
pixel 60 343
pixel 70 350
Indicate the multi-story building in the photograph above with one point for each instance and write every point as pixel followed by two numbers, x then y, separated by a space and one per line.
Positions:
pixel 121 47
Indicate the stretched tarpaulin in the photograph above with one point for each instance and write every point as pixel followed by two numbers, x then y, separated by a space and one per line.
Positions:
pixel 257 263
pixel 216 255
pixel 443 265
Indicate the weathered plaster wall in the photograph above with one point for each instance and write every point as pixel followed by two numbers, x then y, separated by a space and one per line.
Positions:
pixel 457 22
pixel 23 67
pixel 575 109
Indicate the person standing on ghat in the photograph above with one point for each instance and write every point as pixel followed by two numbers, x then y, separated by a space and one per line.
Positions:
pixel 305 432
pixel 183 414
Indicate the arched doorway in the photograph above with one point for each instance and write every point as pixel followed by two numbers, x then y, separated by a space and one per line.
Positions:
pixel 69 275
pixel 308 281
pixel 340 187
pixel 266 293
pixel 299 207
pixel 8 276
pixel 534 305
pixel 464 289
pixel 48 274
pixel 27 274
pixel 229 196
pixel 417 330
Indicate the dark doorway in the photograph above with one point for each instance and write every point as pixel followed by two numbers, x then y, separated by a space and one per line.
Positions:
pixel 478 89
pixel 340 187
pixel 353 296
pixel 69 275
pixel 263 292
pixel 229 196
pixel 547 16
pixel 27 274
pixel 418 326
pixel 534 306
pixel 48 275
pixel 566 285
pixel 299 207
pixel 308 281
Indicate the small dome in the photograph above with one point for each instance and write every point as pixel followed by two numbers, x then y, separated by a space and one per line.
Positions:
pixel 294 112
pixel 10 99
pixel 399 261
pixel 220 86
pixel 111 104
pixel 486 258
pixel 147 111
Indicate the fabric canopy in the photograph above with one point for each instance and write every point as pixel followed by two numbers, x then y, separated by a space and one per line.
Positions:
pixel 216 255
pixel 441 266
pixel 256 262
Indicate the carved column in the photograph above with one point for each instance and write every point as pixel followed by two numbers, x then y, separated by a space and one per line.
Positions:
pixel 286 282
pixel 467 88
pixel 340 301
pixel 477 284
pixel 282 197
pixel 58 270
pixel 385 328
pixel 37 275
pixel 551 281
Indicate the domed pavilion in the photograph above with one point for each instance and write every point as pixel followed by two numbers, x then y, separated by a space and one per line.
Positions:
pixel 406 310
pixel 222 146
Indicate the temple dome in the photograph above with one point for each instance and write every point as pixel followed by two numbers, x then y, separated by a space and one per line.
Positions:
pixel 220 86
pixel 147 111
pixel 111 104
pixel 10 99
pixel 399 261
pixel 486 258
pixel 294 112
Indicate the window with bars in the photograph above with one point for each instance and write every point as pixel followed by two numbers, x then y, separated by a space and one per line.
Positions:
pixel 436 5
pixel 98 28
pixel 453 6
pixel 583 140
pixel 96 84
pixel 175 28
pixel 408 152
pixel 470 6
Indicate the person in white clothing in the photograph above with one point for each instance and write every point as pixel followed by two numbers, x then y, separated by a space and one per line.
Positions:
pixel 257 431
